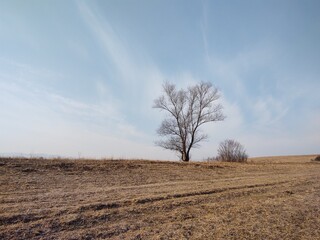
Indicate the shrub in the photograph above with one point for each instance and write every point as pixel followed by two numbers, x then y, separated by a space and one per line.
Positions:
pixel 317 158
pixel 232 151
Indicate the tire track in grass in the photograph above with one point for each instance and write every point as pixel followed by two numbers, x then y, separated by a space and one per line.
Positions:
pixel 119 204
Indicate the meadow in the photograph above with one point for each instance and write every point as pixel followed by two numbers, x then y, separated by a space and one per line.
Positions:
pixel 265 198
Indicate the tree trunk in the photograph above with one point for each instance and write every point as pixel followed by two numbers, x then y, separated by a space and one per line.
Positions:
pixel 185 157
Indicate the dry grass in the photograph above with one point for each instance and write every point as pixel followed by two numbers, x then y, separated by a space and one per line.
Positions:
pixel 284 159
pixel 267 198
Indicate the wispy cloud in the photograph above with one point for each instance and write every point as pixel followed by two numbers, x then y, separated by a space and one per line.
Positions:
pixel 111 44
pixel 37 119
pixel 269 111
pixel 260 100
pixel 73 107
pixel 204 29
pixel 139 78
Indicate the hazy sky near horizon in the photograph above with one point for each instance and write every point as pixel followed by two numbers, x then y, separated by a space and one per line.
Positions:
pixel 78 78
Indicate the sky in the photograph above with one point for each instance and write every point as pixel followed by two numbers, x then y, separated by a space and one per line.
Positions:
pixel 78 78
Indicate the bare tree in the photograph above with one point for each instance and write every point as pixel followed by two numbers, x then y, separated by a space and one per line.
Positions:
pixel 232 151
pixel 187 110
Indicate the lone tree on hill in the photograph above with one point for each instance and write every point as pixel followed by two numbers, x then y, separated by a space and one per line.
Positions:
pixel 187 110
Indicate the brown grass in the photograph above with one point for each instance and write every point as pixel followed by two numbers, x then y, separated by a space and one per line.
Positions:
pixel 266 198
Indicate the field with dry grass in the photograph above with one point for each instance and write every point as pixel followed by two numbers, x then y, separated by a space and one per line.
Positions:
pixel 266 198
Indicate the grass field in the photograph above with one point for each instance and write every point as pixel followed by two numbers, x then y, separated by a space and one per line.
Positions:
pixel 266 198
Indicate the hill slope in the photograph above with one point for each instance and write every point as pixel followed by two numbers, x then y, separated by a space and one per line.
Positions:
pixel 83 199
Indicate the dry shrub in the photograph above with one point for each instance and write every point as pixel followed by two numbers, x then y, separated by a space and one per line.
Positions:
pixel 231 151
pixel 317 158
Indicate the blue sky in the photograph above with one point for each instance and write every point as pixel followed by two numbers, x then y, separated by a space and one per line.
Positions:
pixel 78 78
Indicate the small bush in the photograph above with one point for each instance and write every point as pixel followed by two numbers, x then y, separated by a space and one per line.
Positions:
pixel 317 158
pixel 231 151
